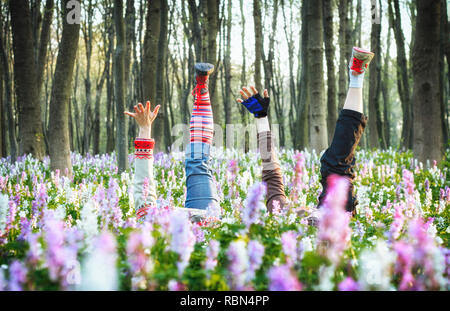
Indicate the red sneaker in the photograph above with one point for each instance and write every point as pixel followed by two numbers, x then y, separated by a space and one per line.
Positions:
pixel 360 60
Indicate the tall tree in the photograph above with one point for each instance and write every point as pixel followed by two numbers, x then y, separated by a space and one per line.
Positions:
pixel 258 42
pixel 402 72
pixel 6 76
pixel 88 38
pixel 161 123
pixel 268 65
pixel 328 9
pixel 375 132
pixel 59 140
pixel 212 29
pixel 288 32
pixel 445 52
pixel 242 109
pixel 194 14
pixel 30 124
pixel 151 38
pixel 43 43
pixel 385 91
pixel 343 9
pixel 227 64
pixel 318 133
pixel 120 87
pixel 425 67
pixel 302 125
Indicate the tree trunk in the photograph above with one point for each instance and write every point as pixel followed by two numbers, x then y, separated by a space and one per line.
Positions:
pixel 30 124
pixel 343 8
pixel 445 52
pixel 59 144
pixel 88 38
pixel 194 14
pixel 6 75
pixel 385 91
pixel 402 74
pixel 43 43
pixel 292 84
pixel 227 65
pixel 318 133
pixel 302 126
pixel 258 42
pixel 120 87
pixel 268 65
pixel 151 38
pixel 330 51
pixel 159 128
pixel 426 98
pixel 374 87
pixel 213 27
pixel 242 109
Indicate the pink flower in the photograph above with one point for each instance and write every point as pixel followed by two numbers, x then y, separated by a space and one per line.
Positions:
pixel 334 232
pixel 348 284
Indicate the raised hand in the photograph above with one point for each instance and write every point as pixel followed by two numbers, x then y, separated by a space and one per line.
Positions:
pixel 254 102
pixel 144 117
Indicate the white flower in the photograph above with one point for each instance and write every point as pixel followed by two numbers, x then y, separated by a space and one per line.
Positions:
pixel 375 266
pixel 4 210
pixel 88 222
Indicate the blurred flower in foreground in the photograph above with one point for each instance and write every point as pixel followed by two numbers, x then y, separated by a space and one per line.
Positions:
pixel 334 232
pixel 282 278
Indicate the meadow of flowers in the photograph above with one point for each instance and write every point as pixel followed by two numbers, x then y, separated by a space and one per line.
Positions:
pixel 81 233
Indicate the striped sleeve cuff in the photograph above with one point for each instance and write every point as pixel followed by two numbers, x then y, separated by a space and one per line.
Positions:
pixel 143 148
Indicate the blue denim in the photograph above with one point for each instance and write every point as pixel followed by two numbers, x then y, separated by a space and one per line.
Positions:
pixel 200 189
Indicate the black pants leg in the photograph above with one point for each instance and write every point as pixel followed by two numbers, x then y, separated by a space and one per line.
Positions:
pixel 339 158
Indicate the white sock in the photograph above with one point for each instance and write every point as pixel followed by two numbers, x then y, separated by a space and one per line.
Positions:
pixel 356 81
pixel 262 125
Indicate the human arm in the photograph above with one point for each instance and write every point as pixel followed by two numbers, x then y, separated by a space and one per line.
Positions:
pixel 144 188
pixel 271 170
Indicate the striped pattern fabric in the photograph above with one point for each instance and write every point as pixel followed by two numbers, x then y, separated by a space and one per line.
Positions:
pixel 142 212
pixel 202 124
pixel 143 148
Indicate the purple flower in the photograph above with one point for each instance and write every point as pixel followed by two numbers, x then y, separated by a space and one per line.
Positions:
pixel 176 286
pixel 289 244
pixel 255 256
pixel 211 255
pixel 237 256
pixel 348 284
pixel 183 239
pixel 281 278
pixel 254 204
pixel 55 245
pixel 17 275
pixel 33 255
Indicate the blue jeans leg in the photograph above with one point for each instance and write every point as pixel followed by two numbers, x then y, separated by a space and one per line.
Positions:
pixel 200 192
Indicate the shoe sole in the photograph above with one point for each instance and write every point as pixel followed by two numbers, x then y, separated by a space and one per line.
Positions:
pixel 195 214
pixel 204 69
